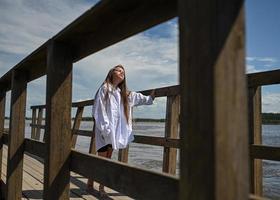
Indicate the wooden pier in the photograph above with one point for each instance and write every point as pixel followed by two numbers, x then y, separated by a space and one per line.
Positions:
pixel 219 122
pixel 33 177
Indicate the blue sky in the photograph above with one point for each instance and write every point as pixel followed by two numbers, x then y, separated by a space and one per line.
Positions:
pixel 150 58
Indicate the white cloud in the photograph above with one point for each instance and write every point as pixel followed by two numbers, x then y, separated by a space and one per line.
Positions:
pixel 271 102
pixel 26 24
pixel 251 69
pixel 150 61
pixel 262 59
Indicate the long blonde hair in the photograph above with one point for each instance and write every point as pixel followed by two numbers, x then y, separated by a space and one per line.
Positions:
pixel 124 91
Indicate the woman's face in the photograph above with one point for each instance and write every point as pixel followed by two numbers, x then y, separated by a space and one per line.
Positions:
pixel 118 74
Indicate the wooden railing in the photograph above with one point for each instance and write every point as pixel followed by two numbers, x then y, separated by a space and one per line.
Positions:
pixel 170 141
pixel 258 151
pixel 213 103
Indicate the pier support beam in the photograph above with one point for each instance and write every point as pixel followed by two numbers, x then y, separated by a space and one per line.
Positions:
pixel 214 122
pixel 16 135
pixel 2 124
pixel 171 132
pixel 58 122
pixel 255 137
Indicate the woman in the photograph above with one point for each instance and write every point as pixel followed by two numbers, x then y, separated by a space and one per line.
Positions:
pixel 112 114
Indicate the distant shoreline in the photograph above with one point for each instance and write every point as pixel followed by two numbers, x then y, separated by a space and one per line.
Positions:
pixel 267 119
pixel 90 119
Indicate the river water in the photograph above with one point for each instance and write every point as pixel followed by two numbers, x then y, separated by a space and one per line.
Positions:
pixel 150 157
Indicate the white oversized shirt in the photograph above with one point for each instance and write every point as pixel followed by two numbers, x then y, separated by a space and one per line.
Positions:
pixel 111 126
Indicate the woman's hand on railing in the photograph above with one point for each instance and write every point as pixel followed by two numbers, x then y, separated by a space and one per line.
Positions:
pixel 152 94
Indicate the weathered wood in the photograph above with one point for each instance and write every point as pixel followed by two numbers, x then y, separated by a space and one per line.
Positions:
pixel 38 126
pixel 58 122
pixel 171 132
pixel 33 121
pixel 165 91
pixel 158 141
pixel 132 181
pixel 16 135
pixel 264 78
pixel 37 106
pixel 2 124
pixel 92 148
pixel 123 155
pixel 159 92
pixel 76 125
pixel 39 122
pixel 255 197
pixel 214 147
pixel 83 132
pixel 5 138
pixel 97 24
pixel 83 103
pixel 265 152
pixel 35 147
pixel 126 14
pixel 255 137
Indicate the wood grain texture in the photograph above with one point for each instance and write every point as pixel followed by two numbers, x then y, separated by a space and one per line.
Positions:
pixel 131 181
pixel 265 152
pixel 123 155
pixel 76 125
pixel 171 132
pixel 264 78
pixel 214 124
pixel 39 122
pixel 255 137
pixel 33 121
pixel 16 135
pixel 2 124
pixel 58 122
pixel 158 141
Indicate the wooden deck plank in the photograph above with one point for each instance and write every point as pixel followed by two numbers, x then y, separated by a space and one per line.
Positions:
pixel 33 177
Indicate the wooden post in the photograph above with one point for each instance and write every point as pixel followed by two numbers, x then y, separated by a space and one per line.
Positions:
pixel 58 122
pixel 76 125
pixel 213 122
pixel 39 122
pixel 171 131
pixel 123 155
pixel 92 149
pixel 33 121
pixel 255 137
pixel 2 125
pixel 16 135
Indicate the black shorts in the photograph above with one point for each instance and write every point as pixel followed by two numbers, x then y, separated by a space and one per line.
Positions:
pixel 105 148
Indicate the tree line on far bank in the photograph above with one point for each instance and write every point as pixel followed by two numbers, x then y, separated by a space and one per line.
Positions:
pixel 267 118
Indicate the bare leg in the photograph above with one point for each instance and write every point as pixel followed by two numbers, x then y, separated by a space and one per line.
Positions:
pixel 90 184
pixel 106 154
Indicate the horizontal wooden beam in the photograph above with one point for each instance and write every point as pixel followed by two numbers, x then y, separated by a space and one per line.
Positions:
pixel 5 138
pixel 158 141
pixel 164 91
pixel 38 126
pixel 83 103
pixel 159 92
pixel 82 133
pixel 38 106
pixel 132 181
pixel 265 152
pixel 105 24
pixel 256 197
pixel 35 147
pixel 264 78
